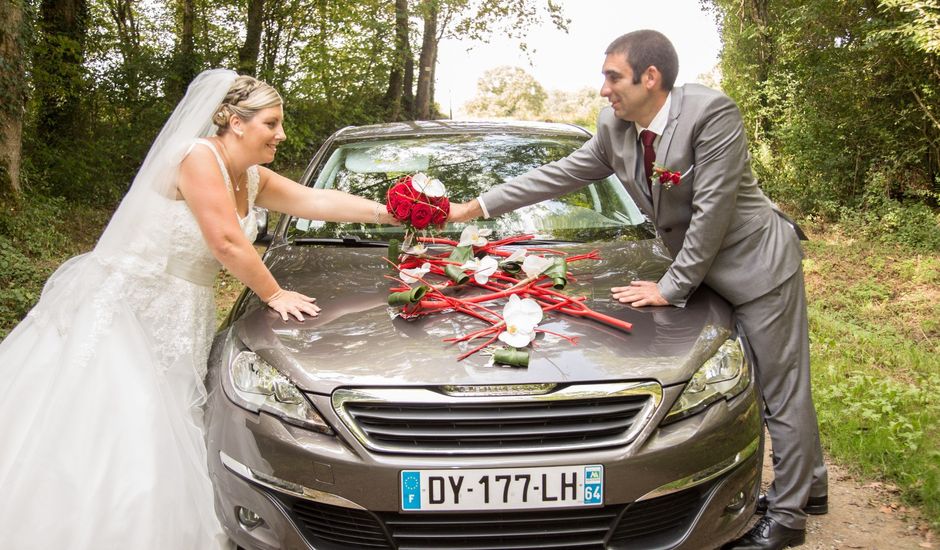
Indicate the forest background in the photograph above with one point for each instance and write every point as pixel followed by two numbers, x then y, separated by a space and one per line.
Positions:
pixel 841 100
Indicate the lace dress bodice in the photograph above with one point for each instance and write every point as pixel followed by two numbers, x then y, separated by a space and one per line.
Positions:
pixel 190 258
pixel 179 306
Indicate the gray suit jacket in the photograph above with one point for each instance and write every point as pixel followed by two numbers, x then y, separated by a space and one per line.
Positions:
pixel 718 225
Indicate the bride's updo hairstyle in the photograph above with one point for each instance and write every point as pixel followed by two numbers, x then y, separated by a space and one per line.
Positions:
pixel 244 99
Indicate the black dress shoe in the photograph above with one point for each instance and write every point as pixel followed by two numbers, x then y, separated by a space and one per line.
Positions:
pixel 767 534
pixel 815 506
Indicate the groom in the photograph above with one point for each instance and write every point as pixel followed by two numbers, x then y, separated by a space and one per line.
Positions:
pixel 721 230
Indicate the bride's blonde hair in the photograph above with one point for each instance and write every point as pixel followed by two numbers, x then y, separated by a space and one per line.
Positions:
pixel 244 99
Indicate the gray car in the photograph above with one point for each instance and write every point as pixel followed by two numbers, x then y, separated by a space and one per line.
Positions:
pixel 361 429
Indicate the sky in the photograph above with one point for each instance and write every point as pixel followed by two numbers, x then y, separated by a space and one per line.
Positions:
pixel 572 60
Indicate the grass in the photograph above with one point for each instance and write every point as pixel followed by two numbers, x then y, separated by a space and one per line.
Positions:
pixel 875 327
pixel 874 322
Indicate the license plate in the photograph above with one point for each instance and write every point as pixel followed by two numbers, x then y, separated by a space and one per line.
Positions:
pixel 502 489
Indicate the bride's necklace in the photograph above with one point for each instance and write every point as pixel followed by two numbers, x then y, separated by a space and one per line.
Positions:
pixel 226 160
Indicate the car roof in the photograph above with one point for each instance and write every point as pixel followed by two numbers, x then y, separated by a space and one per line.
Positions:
pixel 457 127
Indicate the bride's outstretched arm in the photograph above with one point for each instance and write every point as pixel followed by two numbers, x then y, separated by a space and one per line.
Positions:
pixel 281 194
pixel 204 190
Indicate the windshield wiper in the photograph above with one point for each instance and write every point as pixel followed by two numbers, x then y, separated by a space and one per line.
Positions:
pixel 346 240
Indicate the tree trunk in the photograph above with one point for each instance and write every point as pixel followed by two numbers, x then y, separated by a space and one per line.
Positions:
pixel 408 94
pixel 57 70
pixel 764 59
pixel 426 62
pixel 248 53
pixel 184 64
pixel 187 36
pixel 432 110
pixel 12 90
pixel 402 53
pixel 125 21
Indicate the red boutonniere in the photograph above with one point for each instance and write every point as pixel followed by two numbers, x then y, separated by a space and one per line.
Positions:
pixel 668 178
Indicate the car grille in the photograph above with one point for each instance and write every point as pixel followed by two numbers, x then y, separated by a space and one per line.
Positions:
pixel 653 523
pixel 428 422
pixel 575 529
pixel 324 525
pixel 656 523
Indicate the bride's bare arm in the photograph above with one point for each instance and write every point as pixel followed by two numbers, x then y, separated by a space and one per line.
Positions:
pixel 281 194
pixel 204 190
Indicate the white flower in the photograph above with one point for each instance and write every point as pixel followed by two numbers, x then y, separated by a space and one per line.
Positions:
pixel 482 269
pixel 533 266
pixel 472 235
pixel 417 250
pixel 430 187
pixel 412 275
pixel 519 254
pixel 521 318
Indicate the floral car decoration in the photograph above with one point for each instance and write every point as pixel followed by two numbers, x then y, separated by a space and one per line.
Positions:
pixel 528 280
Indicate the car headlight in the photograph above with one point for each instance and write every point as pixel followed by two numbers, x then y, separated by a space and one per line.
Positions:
pixel 253 384
pixel 723 376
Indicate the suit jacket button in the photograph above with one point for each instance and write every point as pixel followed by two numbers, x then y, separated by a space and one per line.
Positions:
pixel 667 229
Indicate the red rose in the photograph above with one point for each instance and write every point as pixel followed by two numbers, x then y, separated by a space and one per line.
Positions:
pixel 441 209
pixel 402 210
pixel 399 199
pixel 675 178
pixel 401 191
pixel 404 181
pixel 421 215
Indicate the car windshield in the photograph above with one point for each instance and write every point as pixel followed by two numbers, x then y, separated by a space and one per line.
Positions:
pixel 468 165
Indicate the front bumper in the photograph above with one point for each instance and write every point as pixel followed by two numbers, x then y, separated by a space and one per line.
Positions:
pixel 690 484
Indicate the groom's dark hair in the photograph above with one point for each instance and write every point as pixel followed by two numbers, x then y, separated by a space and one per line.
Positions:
pixel 647 48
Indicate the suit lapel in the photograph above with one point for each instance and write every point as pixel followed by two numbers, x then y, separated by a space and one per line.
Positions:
pixel 630 167
pixel 665 140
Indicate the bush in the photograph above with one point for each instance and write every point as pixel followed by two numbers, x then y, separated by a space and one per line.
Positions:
pixel 37 233
pixel 882 217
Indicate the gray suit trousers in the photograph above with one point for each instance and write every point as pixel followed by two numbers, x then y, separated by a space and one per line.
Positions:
pixel 777 329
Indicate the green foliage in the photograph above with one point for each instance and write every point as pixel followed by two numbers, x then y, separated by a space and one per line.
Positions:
pixel 507 92
pixel 13 85
pixel 880 218
pixel 878 407
pixel 479 19
pixel 922 28
pixel 37 233
pixel 106 75
pixel 875 344
pixel 838 96
pixel 579 107
pixel 511 92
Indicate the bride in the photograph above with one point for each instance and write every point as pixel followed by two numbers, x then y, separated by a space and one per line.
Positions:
pixel 101 443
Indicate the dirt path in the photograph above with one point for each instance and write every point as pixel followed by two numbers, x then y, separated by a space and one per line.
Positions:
pixel 863 515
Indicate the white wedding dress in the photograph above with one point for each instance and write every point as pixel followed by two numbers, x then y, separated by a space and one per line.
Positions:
pixel 101 442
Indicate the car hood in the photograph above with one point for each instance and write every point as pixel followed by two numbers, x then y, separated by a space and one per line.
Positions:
pixel 358 340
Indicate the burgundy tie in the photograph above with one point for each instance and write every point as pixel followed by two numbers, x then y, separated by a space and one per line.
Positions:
pixel 649 155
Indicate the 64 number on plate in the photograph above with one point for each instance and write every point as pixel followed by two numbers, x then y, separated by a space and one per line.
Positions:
pixel 502 489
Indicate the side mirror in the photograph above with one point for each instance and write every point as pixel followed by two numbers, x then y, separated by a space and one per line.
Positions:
pixel 261 216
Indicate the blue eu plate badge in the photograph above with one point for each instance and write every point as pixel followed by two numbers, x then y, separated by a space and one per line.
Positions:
pixel 410 490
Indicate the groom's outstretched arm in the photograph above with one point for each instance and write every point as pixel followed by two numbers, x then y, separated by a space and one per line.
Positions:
pixel 465 211
pixel 588 164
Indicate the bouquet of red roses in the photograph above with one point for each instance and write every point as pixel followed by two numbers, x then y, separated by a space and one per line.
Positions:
pixel 418 201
